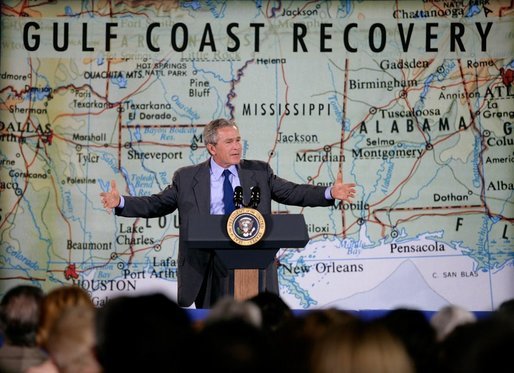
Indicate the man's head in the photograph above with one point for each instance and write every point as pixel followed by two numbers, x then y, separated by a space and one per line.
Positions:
pixel 223 142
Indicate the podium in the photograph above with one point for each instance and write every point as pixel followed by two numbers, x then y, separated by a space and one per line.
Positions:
pixel 209 232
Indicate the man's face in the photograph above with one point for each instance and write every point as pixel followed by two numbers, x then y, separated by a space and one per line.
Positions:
pixel 228 149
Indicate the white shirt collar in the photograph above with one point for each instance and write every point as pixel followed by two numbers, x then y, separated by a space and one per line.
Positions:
pixel 217 170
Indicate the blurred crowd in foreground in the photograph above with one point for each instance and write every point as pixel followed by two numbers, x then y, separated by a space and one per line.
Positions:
pixel 62 331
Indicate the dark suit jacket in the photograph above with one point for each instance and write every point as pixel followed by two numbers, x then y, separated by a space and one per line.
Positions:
pixel 190 194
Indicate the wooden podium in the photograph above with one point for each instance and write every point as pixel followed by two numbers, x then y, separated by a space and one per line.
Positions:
pixel 209 232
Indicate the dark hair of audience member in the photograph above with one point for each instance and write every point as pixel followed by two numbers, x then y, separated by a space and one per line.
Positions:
pixel 480 347
pixel 300 334
pixel 233 346
pixel 274 311
pixel 416 333
pixel 19 314
pixel 19 317
pixel 506 309
pixel 144 333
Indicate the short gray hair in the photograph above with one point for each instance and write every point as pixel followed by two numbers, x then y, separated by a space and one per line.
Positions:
pixel 227 308
pixel 210 132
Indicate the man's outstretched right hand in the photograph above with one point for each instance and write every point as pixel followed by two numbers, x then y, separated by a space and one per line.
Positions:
pixel 111 198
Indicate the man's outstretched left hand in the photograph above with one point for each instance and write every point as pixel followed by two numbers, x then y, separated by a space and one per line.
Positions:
pixel 343 192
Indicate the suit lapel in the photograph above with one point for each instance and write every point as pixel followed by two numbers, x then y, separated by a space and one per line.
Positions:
pixel 202 188
pixel 247 179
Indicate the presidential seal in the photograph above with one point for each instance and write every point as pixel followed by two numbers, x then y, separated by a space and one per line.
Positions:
pixel 246 226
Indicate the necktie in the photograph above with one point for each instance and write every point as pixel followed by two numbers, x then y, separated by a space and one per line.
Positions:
pixel 228 193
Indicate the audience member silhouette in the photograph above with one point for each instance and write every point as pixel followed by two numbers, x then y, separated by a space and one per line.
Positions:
pixel 145 333
pixel 233 346
pixel 448 318
pixel 53 307
pixel 506 309
pixel 71 341
pixel 19 316
pixel 413 329
pixel 54 304
pixel 228 308
pixel 480 347
pixel 275 312
pixel 360 347
pixel 298 337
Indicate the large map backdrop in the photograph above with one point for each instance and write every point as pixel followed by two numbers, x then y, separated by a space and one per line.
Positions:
pixel 412 100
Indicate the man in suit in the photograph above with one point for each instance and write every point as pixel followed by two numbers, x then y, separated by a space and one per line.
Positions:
pixel 198 189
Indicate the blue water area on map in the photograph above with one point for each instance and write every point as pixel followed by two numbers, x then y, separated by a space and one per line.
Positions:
pixel 473 10
pixel 39 94
pixel 104 184
pixel 137 133
pixel 195 5
pixel 120 81
pixel 126 175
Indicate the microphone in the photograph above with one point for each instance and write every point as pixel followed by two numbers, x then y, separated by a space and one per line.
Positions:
pixel 238 197
pixel 255 196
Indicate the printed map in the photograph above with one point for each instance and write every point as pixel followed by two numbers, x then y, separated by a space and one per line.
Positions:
pixel 412 100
